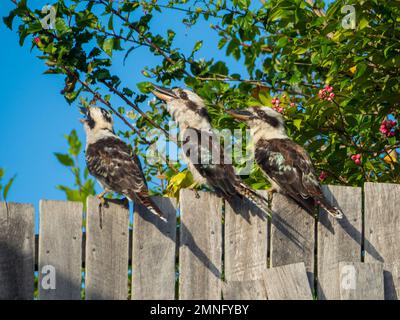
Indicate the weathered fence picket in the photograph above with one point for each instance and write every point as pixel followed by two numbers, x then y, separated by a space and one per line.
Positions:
pixel 245 241
pixel 382 232
pixel 338 240
pixel 154 252
pixel 213 249
pixel 292 235
pixel 361 281
pixel 245 253
pixel 107 245
pixel 60 250
pixel 200 253
pixel 245 290
pixel 289 282
pixel 17 241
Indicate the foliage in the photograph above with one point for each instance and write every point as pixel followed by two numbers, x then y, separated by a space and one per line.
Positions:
pixel 5 189
pixel 291 51
pixel 179 181
pixel 83 185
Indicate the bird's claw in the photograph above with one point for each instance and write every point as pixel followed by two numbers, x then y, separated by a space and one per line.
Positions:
pixel 103 201
pixel 270 193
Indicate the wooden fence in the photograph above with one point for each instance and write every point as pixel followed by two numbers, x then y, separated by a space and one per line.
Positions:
pixel 208 249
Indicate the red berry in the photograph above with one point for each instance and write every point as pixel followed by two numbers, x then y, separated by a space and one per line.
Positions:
pixel 323 175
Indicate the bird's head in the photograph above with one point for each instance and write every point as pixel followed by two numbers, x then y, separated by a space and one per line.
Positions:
pixel 184 105
pixel 261 121
pixel 96 120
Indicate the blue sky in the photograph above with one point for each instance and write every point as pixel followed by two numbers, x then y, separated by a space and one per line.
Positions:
pixel 34 115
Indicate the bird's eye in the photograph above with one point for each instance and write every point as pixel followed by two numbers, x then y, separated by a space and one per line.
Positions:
pixel 183 95
pixel 261 113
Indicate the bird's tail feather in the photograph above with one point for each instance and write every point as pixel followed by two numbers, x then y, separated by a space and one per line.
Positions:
pixel 153 208
pixel 333 211
pixel 255 198
pixel 310 204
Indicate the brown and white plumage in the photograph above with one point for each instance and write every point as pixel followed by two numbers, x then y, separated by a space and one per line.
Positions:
pixel 286 164
pixel 112 162
pixel 202 149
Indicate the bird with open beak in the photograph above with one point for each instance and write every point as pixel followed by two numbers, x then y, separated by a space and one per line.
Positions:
pixel 202 148
pixel 286 164
pixel 112 162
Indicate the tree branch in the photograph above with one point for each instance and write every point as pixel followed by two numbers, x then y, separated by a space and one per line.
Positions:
pixel 97 96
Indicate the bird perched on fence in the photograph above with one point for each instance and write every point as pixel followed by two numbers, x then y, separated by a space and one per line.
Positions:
pixel 201 147
pixel 286 164
pixel 112 162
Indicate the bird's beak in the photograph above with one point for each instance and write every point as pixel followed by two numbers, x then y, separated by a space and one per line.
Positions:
pixel 85 112
pixel 164 94
pixel 240 115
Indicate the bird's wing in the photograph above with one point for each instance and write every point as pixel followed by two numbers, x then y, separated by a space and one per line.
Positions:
pixel 113 162
pixel 290 167
pixel 206 154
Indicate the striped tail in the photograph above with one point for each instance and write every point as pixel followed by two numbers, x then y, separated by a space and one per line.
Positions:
pixel 255 198
pixel 153 208
pixel 333 211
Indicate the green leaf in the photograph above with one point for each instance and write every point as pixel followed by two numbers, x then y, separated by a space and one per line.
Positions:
pixel 9 19
pixel 71 194
pixel 145 87
pixel 61 26
pixel 297 123
pixel 361 68
pixel 35 27
pixel 300 51
pixel 111 23
pixel 64 159
pixel 75 145
pixel 7 187
pixel 282 42
pixel 363 23
pixel 197 46
pixel 108 46
pixel 219 68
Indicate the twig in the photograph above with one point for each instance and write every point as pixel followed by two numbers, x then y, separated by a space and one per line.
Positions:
pixel 147 40
pixel 251 81
pixel 135 107
pixel 97 96
pixel 318 12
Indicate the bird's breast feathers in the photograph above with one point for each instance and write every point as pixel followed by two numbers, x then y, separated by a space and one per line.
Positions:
pixel 113 163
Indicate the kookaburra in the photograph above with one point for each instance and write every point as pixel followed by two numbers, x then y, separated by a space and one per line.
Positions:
pixel 286 164
pixel 112 162
pixel 201 144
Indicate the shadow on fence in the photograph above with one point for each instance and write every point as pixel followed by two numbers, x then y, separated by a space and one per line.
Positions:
pixel 218 249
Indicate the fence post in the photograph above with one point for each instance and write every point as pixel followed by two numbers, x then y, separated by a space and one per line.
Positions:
pixel 17 245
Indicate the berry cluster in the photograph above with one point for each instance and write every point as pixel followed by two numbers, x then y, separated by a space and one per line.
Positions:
pixel 388 128
pixel 326 93
pixel 356 158
pixel 276 105
pixel 37 40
